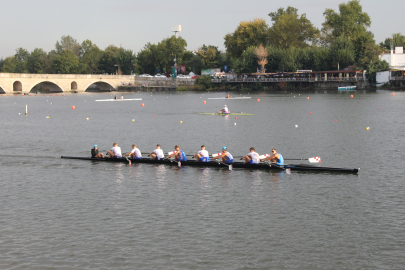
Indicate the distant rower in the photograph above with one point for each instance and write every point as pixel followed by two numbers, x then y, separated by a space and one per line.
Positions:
pixel 135 153
pixel 122 97
pixel 202 155
pixel 225 110
pixel 252 157
pixel 228 96
pixel 226 156
pixel 115 152
pixel 178 154
pixel 157 153
pixel 275 157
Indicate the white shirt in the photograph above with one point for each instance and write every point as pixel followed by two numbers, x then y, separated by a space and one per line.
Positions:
pixel 255 157
pixel 226 109
pixel 159 153
pixel 137 152
pixel 117 151
pixel 203 153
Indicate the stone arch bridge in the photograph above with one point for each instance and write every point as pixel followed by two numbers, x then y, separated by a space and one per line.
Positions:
pixel 24 83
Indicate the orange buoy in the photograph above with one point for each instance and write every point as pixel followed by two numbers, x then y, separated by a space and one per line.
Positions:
pixel 142 104
pixel 351 96
pixel 393 94
pixel 204 102
pixel 153 115
pixel 307 97
pixel 236 117
pixel 73 107
pixel 258 100
pixel 379 108
pixel 357 104
pixel 335 120
pixel 310 112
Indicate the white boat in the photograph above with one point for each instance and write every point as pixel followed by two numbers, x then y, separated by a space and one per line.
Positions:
pixel 347 88
pixel 113 99
pixel 232 98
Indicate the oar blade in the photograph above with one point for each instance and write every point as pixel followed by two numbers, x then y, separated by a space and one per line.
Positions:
pixel 314 160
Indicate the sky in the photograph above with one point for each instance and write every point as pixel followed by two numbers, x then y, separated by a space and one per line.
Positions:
pixel 132 23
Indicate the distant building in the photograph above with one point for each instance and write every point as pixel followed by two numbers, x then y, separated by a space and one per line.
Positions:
pixel 396 61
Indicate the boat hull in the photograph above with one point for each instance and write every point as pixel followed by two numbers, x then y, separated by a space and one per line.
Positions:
pixel 246 114
pixel 293 167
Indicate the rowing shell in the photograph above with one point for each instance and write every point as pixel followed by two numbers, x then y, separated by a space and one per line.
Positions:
pixel 112 99
pixel 299 167
pixel 248 114
pixel 232 98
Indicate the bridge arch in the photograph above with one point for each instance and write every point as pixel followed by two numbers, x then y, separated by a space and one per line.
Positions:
pixel 47 87
pixel 73 85
pixel 2 90
pixel 100 86
pixel 17 86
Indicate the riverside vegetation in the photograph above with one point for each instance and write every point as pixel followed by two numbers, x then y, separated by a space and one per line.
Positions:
pixel 289 44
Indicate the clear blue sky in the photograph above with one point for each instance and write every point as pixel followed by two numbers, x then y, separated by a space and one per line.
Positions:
pixel 131 24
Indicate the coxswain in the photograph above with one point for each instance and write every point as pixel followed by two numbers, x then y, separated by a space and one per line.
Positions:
pixel 225 110
pixel 95 154
pixel 115 152
pixel 275 157
pixel 157 153
pixel 135 153
pixel 252 157
pixel 202 155
pixel 178 154
pixel 225 155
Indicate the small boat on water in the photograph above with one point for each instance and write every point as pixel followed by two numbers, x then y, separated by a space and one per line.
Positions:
pixel 224 114
pixel 265 166
pixel 347 88
pixel 118 99
pixel 232 98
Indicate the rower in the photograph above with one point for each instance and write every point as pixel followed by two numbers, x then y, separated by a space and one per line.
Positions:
pixel 135 153
pixel 178 154
pixel 225 110
pixel 157 154
pixel 115 97
pixel 95 154
pixel 122 97
pixel 275 157
pixel 225 155
pixel 202 155
pixel 228 96
pixel 115 152
pixel 252 157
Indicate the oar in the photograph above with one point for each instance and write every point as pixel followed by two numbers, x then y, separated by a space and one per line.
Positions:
pixel 311 160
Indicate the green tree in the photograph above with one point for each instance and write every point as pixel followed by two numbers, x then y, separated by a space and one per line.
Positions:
pixel 1 64
pixel 291 30
pixel 145 61
pixel 209 56
pixel 126 60
pixel 91 56
pixel 21 58
pixel 248 33
pixel 247 62
pixel 68 43
pixel 9 64
pixel 38 61
pixel 398 40
pixel 350 22
pixel 108 60
pixel 341 51
pixel 195 64
pixel 65 63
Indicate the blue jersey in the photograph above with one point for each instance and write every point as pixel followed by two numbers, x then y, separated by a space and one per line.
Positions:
pixel 280 161
pixel 229 158
pixel 182 156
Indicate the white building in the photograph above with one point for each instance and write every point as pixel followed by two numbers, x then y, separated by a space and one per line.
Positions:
pixel 396 61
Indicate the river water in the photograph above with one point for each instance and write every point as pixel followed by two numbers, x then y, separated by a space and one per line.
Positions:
pixel 71 214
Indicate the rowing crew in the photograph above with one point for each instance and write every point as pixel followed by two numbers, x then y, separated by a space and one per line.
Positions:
pixel 203 156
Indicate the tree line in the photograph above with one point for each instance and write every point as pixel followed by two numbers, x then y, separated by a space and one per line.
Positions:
pixel 289 44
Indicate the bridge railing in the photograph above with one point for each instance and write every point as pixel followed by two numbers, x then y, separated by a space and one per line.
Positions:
pixel 65 76
pixel 329 79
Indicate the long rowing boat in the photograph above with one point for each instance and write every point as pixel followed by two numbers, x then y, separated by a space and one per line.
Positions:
pixel 223 114
pixel 232 98
pixel 292 167
pixel 118 99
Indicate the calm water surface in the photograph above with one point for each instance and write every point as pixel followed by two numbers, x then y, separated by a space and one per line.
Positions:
pixel 71 214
